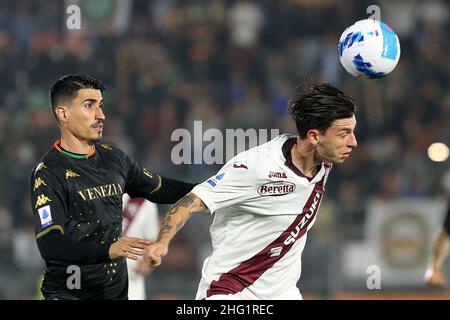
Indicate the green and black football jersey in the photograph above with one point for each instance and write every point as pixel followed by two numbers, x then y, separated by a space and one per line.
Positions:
pixel 77 206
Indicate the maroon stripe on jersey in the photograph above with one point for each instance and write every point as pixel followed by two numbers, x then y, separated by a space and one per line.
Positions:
pixel 128 215
pixel 246 273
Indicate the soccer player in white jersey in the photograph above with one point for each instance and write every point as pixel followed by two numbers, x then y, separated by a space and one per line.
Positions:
pixel 140 220
pixel 265 200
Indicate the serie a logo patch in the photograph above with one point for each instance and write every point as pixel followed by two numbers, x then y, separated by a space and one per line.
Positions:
pixel 45 215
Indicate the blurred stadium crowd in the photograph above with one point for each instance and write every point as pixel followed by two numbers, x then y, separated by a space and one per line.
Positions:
pixel 231 64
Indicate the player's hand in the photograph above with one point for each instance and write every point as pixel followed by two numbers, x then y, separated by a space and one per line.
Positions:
pixel 154 253
pixel 128 247
pixel 435 277
pixel 143 268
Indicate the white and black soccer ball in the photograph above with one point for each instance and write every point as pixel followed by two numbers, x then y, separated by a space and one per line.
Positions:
pixel 369 48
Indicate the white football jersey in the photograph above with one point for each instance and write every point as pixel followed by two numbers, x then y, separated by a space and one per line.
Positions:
pixel 263 209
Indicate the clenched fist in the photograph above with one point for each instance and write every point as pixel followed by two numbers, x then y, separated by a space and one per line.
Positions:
pixel 154 253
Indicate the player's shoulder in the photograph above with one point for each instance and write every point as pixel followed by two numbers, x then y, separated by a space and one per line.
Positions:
pixel 49 172
pixel 47 165
pixel 110 151
pixel 279 141
pixel 258 159
pixel 108 148
pixel 265 152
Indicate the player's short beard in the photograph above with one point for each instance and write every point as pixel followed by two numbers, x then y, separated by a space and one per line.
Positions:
pixel 97 139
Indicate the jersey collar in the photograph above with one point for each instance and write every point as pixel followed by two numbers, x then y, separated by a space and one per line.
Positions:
pixel 286 151
pixel 58 147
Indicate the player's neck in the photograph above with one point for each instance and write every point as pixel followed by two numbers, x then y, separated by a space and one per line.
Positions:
pixel 303 157
pixel 72 144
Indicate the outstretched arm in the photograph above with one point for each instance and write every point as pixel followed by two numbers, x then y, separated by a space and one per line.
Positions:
pixel 434 276
pixel 177 216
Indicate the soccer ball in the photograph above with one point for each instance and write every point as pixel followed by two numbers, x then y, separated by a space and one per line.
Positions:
pixel 369 48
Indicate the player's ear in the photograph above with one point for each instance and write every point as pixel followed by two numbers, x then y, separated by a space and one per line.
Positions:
pixel 313 136
pixel 61 112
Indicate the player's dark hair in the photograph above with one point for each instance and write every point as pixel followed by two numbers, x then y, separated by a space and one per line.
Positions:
pixel 66 88
pixel 317 107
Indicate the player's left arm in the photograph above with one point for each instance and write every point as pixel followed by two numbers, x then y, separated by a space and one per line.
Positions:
pixel 170 190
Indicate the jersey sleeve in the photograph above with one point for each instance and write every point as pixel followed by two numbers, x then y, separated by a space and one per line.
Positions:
pixel 143 183
pixel 47 202
pixel 139 181
pixel 234 183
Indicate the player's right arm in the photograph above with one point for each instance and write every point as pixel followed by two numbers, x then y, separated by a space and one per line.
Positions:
pixel 233 184
pixel 177 216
